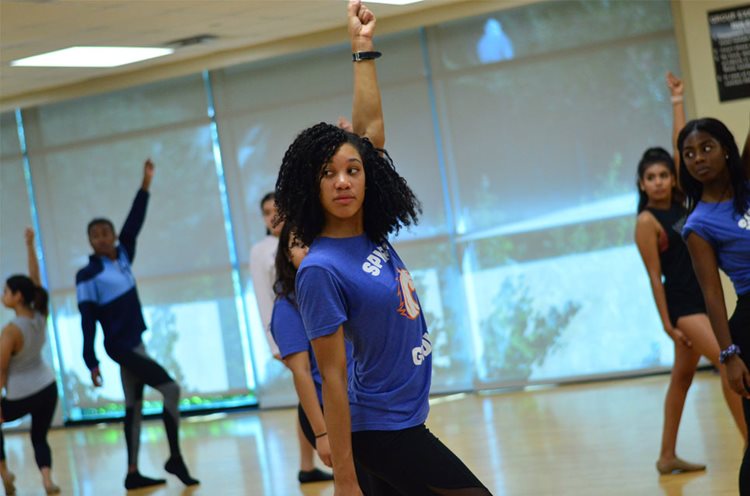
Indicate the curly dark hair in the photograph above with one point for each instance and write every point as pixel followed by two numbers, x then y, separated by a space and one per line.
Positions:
pixel 286 273
pixel 389 203
pixel 651 156
pixel 737 176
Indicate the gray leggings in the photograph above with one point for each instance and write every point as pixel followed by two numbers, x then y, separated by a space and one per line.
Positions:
pixel 137 369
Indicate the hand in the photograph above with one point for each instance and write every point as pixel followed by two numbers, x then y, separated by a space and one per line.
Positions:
pixel 679 337
pixel 344 124
pixel 738 376
pixel 361 25
pixel 96 378
pixel 148 173
pixel 674 84
pixel 29 236
pixel 344 489
pixel 323 447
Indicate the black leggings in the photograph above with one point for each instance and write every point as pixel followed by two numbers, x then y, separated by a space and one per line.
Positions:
pixel 137 369
pixel 41 406
pixel 412 462
pixel 739 326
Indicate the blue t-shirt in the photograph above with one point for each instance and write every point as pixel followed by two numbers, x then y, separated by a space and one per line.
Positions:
pixel 729 234
pixel 366 288
pixel 289 333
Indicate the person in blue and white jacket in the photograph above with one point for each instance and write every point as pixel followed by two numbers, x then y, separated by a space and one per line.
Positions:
pixel 107 294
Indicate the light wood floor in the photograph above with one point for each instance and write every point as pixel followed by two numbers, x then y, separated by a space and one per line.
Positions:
pixel 595 439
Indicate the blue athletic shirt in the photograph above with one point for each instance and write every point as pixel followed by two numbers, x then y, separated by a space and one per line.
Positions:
pixel 365 287
pixel 729 234
pixel 289 333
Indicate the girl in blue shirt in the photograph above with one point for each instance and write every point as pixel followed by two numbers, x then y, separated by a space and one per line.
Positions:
pixel 343 197
pixel 716 181
pixel 678 297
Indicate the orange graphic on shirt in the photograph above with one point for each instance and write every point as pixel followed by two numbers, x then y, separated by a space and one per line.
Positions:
pixel 409 306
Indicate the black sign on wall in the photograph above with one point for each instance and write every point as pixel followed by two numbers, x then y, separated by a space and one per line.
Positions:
pixel 730 39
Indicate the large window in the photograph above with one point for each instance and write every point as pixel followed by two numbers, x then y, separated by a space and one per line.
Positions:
pixel 518 130
pixel 86 165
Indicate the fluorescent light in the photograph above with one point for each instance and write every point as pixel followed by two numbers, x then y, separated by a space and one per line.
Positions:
pixel 394 2
pixel 92 56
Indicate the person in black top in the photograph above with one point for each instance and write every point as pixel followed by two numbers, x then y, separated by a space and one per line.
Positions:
pixel 678 297
pixel 107 294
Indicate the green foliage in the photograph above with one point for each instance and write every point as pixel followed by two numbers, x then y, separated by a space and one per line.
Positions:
pixel 518 336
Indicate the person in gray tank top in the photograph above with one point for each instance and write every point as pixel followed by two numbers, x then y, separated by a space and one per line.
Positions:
pixel 27 382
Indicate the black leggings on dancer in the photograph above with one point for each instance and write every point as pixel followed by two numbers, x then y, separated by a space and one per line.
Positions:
pixel 412 462
pixel 41 406
pixel 739 326
pixel 137 370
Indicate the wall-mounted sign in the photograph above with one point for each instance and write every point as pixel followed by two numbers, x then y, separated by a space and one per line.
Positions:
pixel 730 39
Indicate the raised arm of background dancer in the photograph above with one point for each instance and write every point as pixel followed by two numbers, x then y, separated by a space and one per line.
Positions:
pixel 676 91
pixel 331 356
pixel 137 213
pixel 707 271
pixel 33 262
pixel 367 110
pixel 646 238
pixel 299 364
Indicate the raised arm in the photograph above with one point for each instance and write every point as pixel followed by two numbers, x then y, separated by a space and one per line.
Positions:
pixel 299 364
pixel 31 257
pixel 676 91
pixel 707 271
pixel 331 356
pixel 367 111
pixel 137 213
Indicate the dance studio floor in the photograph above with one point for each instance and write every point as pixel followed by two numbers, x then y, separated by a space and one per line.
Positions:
pixel 592 439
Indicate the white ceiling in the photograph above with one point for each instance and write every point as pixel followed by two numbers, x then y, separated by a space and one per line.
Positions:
pixel 31 27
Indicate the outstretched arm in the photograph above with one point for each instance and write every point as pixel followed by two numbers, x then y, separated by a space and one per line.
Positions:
pixel 31 257
pixel 676 90
pixel 707 271
pixel 137 213
pixel 367 111
pixel 331 356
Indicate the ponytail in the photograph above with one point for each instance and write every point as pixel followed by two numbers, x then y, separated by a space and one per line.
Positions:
pixel 40 303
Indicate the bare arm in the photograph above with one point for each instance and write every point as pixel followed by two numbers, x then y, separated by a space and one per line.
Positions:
pixel 707 271
pixel 367 110
pixel 299 364
pixel 646 238
pixel 331 356
pixel 676 90
pixel 31 257
pixel 11 342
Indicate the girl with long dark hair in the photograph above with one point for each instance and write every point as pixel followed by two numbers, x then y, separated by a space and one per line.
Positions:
pixel 716 181
pixel 28 381
pixel 679 301
pixel 343 197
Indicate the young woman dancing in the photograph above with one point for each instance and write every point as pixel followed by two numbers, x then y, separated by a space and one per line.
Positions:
pixel 343 197
pixel 716 181
pixel 679 301
pixel 28 381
